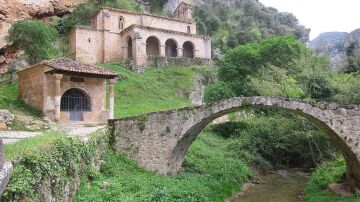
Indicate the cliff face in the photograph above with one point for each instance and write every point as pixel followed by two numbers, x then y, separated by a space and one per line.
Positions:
pixel 13 10
pixel 334 45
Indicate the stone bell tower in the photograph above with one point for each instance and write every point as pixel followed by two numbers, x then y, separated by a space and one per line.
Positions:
pixel 184 11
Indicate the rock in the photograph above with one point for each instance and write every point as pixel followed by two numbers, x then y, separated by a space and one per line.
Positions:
pixel 6 117
pixel 104 185
pixel 2 126
pixel 340 189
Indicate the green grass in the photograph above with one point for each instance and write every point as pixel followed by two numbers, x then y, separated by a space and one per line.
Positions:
pixel 9 100
pixel 209 174
pixel 23 146
pixel 330 172
pixel 154 90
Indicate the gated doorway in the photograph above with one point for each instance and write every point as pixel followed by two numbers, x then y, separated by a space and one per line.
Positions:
pixel 75 101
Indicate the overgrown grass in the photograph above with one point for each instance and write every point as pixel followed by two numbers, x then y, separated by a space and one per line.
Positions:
pixel 154 90
pixel 330 172
pixel 9 100
pixel 12 151
pixel 209 174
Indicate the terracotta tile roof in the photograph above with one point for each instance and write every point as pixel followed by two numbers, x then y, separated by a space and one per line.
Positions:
pixel 69 65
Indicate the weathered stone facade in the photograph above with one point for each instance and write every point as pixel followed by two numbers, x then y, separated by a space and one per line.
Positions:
pixel 43 87
pixel 118 34
pixel 160 140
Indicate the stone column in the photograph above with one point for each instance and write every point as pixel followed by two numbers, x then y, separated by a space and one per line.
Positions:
pixel 163 50
pixel 180 52
pixel 57 96
pixel 111 98
pixel 5 169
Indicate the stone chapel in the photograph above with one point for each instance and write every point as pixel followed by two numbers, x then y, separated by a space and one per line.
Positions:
pixel 119 34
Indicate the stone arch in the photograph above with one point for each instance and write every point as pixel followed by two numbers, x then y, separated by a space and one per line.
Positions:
pixel 121 23
pixel 175 130
pixel 188 49
pixel 152 46
pixel 75 99
pixel 171 47
pixel 129 47
pixel 346 143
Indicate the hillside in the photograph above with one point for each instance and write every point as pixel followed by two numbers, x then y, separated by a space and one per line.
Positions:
pixel 340 47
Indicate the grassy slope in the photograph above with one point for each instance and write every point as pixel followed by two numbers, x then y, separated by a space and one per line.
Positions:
pixel 156 89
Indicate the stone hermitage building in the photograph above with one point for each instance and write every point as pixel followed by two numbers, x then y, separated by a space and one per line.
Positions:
pixel 66 90
pixel 119 34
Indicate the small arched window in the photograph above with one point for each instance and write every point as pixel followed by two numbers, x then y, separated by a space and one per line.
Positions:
pixel 188 30
pixel 121 23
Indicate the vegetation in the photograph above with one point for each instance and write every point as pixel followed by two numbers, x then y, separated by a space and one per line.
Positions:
pixel 35 38
pixel 235 22
pixel 9 100
pixel 154 90
pixel 209 174
pixel 327 173
pixel 20 148
pixel 50 166
pixel 270 140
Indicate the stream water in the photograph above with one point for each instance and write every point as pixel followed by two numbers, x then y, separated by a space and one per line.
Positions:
pixel 282 186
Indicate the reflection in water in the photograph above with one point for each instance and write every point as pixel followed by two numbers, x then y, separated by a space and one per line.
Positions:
pixel 285 186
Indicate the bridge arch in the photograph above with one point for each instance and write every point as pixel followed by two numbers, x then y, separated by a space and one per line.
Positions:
pixel 172 132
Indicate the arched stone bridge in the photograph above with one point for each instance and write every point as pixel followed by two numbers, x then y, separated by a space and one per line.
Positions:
pixel 159 140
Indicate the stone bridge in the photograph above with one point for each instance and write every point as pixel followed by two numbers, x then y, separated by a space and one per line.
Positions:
pixel 159 140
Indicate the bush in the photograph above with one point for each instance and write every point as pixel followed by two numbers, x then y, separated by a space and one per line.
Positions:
pixel 51 166
pixel 217 91
pixel 35 38
pixel 228 129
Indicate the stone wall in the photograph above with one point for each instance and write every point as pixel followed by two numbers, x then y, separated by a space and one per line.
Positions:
pixel 159 141
pixel 177 62
pixel 31 86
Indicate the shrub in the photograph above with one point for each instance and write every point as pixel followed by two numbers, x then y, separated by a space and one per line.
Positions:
pixel 218 91
pixel 35 38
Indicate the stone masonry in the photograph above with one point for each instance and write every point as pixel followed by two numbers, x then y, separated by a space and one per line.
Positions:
pixel 160 140
pixel 116 34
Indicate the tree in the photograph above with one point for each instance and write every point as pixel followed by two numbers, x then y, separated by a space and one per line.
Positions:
pixel 245 60
pixel 35 38
pixel 218 91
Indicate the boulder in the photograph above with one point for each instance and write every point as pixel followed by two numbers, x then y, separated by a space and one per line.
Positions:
pixel 6 117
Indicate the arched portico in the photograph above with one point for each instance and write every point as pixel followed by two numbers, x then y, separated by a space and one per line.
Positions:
pixel 171 48
pixel 162 140
pixel 188 49
pixel 152 46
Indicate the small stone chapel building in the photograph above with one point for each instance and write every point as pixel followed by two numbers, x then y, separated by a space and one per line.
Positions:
pixel 68 91
pixel 119 34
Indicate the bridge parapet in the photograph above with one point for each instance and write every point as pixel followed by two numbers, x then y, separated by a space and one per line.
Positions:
pixel 159 140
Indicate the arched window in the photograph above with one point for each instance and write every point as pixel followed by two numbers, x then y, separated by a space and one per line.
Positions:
pixel 75 100
pixel 121 23
pixel 188 30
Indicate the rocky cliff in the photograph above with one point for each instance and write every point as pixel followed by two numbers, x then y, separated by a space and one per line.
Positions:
pixel 13 10
pixel 334 45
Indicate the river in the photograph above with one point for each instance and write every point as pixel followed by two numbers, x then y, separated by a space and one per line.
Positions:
pixel 281 186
